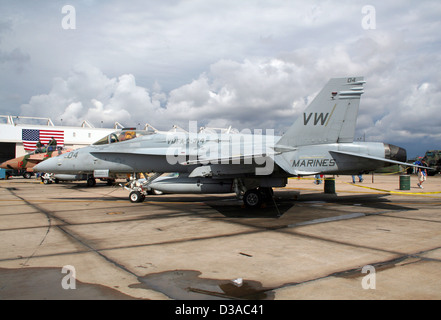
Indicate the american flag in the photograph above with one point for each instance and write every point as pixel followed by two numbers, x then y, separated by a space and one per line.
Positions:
pixel 30 137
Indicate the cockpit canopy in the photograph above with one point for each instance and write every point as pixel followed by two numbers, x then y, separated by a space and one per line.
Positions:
pixel 123 135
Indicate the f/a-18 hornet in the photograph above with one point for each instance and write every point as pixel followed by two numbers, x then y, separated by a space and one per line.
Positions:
pixel 320 141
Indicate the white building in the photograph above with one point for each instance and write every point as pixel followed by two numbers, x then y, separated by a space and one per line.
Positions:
pixel 14 130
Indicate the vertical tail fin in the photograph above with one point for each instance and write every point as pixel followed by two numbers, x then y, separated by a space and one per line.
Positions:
pixel 330 117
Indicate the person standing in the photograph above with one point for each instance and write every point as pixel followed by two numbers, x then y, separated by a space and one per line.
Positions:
pixel 422 174
pixel 360 178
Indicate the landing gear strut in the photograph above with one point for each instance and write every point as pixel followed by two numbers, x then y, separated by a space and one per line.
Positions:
pixel 139 189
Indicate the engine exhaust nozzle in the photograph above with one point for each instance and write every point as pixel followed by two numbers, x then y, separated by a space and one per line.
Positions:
pixel 395 153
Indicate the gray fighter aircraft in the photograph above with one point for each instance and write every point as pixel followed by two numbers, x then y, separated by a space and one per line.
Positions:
pixel 249 163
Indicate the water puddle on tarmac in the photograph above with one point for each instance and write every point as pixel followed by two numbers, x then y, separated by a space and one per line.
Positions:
pixel 46 284
pixel 187 285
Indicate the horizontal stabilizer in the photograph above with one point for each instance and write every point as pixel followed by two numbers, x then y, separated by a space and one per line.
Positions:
pixel 305 173
pixel 364 156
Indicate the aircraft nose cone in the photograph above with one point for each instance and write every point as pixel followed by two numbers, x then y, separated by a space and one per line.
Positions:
pixel 38 168
pixel 3 165
pixel 49 165
pixel 10 164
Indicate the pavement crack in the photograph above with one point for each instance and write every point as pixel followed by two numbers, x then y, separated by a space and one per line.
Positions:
pixel 50 216
pixel 49 226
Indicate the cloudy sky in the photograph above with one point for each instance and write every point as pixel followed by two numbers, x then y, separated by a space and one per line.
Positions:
pixel 249 64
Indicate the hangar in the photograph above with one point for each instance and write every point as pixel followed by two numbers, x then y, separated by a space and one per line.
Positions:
pixel 19 134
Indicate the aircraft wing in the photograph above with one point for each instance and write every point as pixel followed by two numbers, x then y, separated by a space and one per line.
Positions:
pixel 37 157
pixel 357 155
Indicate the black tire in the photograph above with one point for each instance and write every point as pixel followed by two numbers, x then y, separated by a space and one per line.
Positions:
pixel 136 196
pixel 91 182
pixel 27 175
pixel 252 198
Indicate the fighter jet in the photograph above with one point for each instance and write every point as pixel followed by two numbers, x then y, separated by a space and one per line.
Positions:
pixel 320 141
pixel 28 161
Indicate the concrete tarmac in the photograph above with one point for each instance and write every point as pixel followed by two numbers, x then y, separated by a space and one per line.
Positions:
pixel 370 240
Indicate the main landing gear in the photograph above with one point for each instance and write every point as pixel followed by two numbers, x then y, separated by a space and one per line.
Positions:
pixel 252 195
pixel 254 198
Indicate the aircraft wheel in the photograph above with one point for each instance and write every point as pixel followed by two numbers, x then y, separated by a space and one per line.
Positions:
pixel 27 175
pixel 252 198
pixel 136 196
pixel 46 181
pixel 91 182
